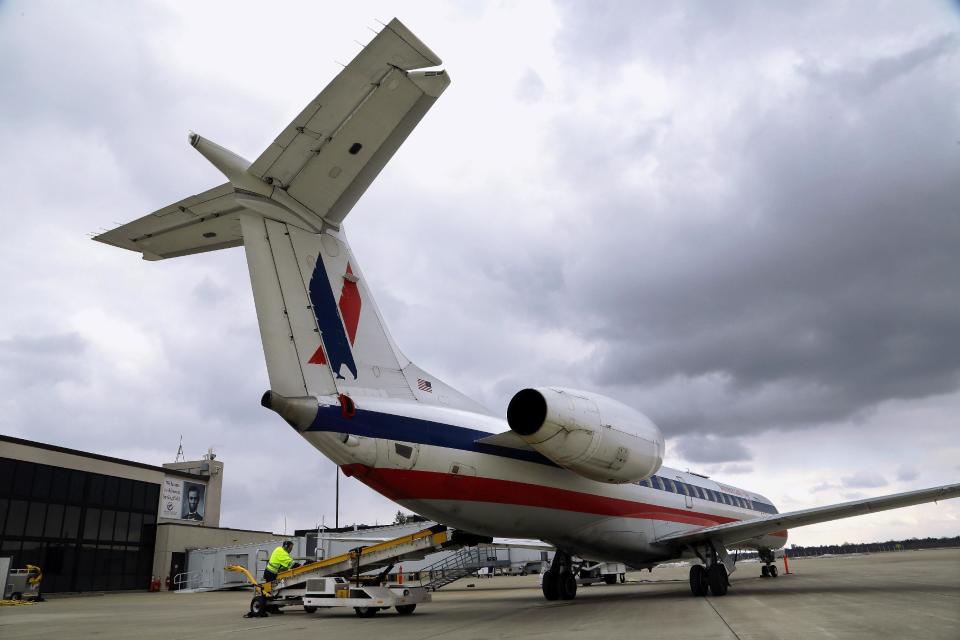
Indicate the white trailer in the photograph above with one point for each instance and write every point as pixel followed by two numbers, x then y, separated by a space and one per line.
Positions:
pixel 608 572
pixel 366 600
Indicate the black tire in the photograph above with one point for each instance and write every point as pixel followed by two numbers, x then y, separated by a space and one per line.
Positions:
pixel 698 580
pixel 774 571
pixel 406 609
pixel 550 585
pixel 568 586
pixel 258 606
pixel 610 578
pixel 366 612
pixel 310 609
pixel 765 571
pixel 16 595
pixel 717 577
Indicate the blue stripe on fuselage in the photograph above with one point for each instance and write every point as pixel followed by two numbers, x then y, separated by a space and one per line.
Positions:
pixel 373 424
pixel 388 426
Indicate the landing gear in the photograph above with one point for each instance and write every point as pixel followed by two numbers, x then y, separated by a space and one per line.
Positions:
pixel 698 580
pixel 769 569
pixel 717 577
pixel 610 578
pixel 710 577
pixel 568 585
pixel 550 585
pixel 559 581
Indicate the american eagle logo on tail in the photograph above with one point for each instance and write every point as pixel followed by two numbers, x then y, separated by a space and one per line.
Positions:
pixel 338 321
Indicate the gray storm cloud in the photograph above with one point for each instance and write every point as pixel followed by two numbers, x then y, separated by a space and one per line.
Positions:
pixel 741 217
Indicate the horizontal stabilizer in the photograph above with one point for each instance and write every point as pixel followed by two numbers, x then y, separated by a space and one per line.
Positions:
pixel 311 176
pixel 204 222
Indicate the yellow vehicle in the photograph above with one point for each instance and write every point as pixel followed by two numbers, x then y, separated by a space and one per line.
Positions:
pixel 23 585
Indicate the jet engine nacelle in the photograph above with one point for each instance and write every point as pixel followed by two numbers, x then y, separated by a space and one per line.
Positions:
pixel 589 434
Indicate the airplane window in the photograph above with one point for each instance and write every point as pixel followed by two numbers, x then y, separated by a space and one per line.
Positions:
pixel 670 486
pixel 726 498
pixel 710 495
pixel 700 493
pixel 658 483
pixel 682 488
pixel 644 483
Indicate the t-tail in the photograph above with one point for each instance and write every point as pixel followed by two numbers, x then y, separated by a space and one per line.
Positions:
pixel 323 335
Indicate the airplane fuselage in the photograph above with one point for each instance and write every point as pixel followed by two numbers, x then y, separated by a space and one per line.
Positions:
pixel 429 460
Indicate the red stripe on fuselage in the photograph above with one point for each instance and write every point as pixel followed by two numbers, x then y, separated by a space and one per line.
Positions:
pixel 405 484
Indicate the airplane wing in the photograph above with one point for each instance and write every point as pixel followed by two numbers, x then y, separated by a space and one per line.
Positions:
pixel 328 156
pixel 734 532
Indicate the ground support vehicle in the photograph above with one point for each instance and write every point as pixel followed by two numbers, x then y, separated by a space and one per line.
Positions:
pixel 23 585
pixel 608 572
pixel 294 586
pixel 365 600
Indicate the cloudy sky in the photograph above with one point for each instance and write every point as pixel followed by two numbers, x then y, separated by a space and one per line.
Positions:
pixel 740 218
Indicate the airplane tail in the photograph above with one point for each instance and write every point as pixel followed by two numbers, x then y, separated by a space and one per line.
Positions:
pixel 321 330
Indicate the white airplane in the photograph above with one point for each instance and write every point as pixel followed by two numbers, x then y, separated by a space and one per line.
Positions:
pixel 576 469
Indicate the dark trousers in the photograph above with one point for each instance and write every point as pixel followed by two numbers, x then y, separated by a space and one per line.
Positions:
pixel 269 576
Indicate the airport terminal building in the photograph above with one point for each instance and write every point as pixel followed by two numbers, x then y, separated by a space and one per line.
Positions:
pixel 97 523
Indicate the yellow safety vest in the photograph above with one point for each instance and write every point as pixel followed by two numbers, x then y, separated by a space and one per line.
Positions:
pixel 280 560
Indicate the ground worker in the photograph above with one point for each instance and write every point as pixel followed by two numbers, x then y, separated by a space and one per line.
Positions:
pixel 280 560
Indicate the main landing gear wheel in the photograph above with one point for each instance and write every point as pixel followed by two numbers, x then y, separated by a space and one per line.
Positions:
pixel 699 585
pixel 366 612
pixel 773 571
pixel 405 609
pixel 717 578
pixel 550 585
pixel 610 578
pixel 568 586
pixel 765 571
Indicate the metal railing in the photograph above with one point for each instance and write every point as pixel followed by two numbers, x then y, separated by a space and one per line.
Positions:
pixel 188 580
pixel 458 565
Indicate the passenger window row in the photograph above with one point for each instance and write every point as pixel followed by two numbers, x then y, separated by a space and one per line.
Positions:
pixel 694 491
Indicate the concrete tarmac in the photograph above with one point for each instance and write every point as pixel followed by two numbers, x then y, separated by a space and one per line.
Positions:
pixel 905 595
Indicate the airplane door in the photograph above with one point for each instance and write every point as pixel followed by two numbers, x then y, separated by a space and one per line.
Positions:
pixel 685 490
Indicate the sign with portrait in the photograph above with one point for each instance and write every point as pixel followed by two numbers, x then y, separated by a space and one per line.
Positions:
pixel 182 499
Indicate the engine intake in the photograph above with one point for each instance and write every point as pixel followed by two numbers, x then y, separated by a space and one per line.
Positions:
pixel 587 433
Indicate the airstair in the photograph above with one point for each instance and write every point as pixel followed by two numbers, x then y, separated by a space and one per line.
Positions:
pixel 459 565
